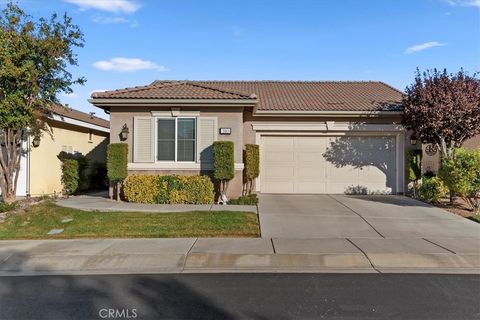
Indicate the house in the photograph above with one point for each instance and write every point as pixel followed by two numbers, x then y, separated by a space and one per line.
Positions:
pixel 70 131
pixel 314 137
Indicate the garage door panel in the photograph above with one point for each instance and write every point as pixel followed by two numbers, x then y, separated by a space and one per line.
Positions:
pixel 328 164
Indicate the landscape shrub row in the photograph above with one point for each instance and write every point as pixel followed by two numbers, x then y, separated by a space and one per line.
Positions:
pixel 172 189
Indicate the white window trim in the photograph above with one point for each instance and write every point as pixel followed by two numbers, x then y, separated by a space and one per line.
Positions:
pixel 176 140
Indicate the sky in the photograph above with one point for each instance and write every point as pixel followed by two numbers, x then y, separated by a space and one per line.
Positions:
pixel 134 42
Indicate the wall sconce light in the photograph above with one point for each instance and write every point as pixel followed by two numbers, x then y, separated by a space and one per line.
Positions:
pixel 124 132
pixel 36 142
pixel 413 140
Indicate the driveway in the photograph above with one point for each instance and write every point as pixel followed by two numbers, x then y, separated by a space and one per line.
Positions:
pixel 342 216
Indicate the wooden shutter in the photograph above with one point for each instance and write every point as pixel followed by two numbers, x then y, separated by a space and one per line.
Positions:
pixel 207 134
pixel 143 139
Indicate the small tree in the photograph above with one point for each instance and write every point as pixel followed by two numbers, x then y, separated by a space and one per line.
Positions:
pixel 443 109
pixel 462 176
pixel 117 161
pixel 252 165
pixel 414 168
pixel 223 166
pixel 34 56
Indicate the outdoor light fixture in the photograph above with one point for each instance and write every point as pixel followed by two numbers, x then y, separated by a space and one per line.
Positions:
pixel 413 140
pixel 36 142
pixel 124 133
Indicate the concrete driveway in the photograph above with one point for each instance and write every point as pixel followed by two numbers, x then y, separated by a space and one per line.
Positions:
pixel 342 216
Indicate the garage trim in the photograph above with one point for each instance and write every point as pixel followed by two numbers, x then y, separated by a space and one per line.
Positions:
pixel 336 129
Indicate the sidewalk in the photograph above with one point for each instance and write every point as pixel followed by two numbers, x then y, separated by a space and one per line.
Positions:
pixel 91 202
pixel 192 255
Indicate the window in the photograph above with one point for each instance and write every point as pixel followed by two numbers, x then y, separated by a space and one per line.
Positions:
pixel 176 139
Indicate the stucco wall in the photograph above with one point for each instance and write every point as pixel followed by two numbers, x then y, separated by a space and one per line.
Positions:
pixel 45 167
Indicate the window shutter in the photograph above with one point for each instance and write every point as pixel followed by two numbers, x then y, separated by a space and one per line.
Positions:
pixel 207 134
pixel 143 139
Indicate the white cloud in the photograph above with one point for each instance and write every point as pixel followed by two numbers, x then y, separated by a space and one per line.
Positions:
pixel 464 3
pixel 423 46
pixel 69 95
pixel 117 6
pixel 122 64
pixel 109 20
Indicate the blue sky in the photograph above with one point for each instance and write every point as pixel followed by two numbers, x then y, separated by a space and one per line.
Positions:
pixel 133 42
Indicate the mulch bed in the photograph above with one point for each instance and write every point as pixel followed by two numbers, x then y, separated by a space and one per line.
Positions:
pixel 460 207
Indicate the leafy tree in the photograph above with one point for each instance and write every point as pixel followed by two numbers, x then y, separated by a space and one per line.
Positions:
pixel 443 109
pixel 462 176
pixel 34 56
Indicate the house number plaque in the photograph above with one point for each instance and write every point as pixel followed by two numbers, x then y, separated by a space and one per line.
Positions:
pixel 226 131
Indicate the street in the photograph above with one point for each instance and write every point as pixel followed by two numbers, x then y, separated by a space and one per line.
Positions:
pixel 241 296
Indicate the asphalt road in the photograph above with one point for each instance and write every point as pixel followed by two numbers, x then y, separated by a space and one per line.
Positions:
pixel 241 296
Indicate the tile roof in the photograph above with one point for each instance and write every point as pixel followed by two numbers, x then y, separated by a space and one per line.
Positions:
pixel 78 115
pixel 276 95
pixel 174 90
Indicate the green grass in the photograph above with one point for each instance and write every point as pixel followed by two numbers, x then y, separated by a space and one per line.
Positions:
pixel 475 218
pixel 37 220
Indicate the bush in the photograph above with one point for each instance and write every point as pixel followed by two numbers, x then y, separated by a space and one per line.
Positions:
pixel 432 190
pixel 83 179
pixel 249 200
pixel 414 165
pixel 252 164
pixel 462 176
pixel 70 175
pixel 140 188
pixel 169 189
pixel 117 161
pixel 223 160
pixel 5 207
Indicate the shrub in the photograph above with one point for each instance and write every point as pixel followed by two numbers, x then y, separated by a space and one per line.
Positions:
pixel 5 207
pixel 169 189
pixel 117 160
pixel 223 165
pixel 248 200
pixel 140 188
pixel 70 175
pixel 432 190
pixel 414 165
pixel 462 176
pixel 252 165
pixel 83 180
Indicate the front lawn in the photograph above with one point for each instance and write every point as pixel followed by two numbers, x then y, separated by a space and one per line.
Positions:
pixel 36 221
pixel 475 218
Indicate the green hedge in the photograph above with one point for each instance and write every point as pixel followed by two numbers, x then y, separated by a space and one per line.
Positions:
pixel 414 165
pixel 117 160
pixel 223 160
pixel 432 190
pixel 169 189
pixel 252 161
pixel 249 200
pixel 70 175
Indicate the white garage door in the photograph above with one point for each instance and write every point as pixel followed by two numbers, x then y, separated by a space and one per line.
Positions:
pixel 345 164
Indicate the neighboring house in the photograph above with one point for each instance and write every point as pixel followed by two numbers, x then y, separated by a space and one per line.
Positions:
pixel 431 156
pixel 314 137
pixel 70 131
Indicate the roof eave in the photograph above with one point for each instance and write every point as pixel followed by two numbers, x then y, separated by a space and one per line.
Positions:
pixel 105 103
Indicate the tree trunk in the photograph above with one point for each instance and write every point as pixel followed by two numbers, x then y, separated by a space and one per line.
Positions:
pixel 118 191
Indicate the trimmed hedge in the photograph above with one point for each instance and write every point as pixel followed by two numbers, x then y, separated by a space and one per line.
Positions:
pixel 223 160
pixel 252 165
pixel 117 160
pixel 140 188
pixel 414 165
pixel 250 200
pixel 70 175
pixel 169 189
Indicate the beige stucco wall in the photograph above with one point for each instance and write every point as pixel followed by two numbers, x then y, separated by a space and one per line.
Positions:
pixel 45 167
pixel 229 117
